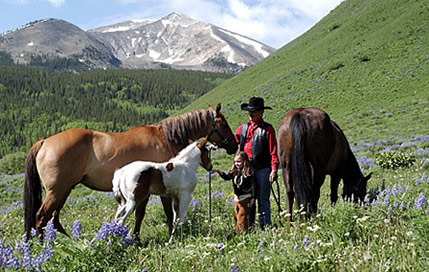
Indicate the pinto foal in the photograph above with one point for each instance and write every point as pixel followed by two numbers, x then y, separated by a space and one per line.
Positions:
pixel 136 181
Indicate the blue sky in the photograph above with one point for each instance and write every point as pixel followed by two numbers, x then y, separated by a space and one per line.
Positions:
pixel 273 22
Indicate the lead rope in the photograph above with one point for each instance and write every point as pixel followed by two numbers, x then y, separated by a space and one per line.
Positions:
pixel 277 199
pixel 210 148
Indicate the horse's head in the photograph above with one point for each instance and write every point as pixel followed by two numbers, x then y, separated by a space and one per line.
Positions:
pixel 205 161
pixel 220 133
pixel 357 191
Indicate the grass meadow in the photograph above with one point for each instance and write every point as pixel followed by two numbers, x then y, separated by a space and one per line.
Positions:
pixel 389 233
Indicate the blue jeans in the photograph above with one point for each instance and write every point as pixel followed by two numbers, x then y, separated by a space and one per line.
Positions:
pixel 263 190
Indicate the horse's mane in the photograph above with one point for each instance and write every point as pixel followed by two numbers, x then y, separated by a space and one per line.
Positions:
pixel 178 129
pixel 186 152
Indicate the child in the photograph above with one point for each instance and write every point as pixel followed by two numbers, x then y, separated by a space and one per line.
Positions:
pixel 244 184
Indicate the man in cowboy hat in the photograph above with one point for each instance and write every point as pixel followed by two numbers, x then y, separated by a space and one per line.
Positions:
pixel 258 139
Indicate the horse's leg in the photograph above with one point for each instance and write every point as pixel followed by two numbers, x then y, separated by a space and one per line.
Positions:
pixel 57 224
pixel 175 205
pixel 51 207
pixel 335 181
pixel 168 210
pixel 319 178
pixel 120 212
pixel 184 201
pixel 129 208
pixel 289 191
pixel 140 213
pixel 141 197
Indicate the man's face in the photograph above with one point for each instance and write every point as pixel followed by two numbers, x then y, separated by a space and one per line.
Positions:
pixel 256 115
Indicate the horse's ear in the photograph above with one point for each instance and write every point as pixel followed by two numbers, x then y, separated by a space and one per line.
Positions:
pixel 210 107
pixel 190 141
pixel 218 107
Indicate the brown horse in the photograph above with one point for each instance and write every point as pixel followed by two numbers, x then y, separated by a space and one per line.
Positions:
pixel 90 157
pixel 311 146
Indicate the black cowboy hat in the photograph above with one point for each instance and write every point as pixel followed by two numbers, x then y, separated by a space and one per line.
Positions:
pixel 255 104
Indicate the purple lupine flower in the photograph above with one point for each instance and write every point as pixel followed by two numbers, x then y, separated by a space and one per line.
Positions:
pixel 383 186
pixel 36 262
pixel 424 177
pixel 33 232
pixel 102 232
pixel 417 181
pixel 112 228
pixel 220 245
pixel 386 200
pixel 306 241
pixel 48 254
pixel 388 192
pixel 50 231
pixel 7 257
pixel 401 206
pixel 420 201
pixel 395 204
pixel 235 269
pixel 407 190
pixel 25 251
pixel 144 270
pixel 399 188
pixel 76 229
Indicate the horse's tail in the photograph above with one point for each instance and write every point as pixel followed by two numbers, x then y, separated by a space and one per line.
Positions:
pixel 300 165
pixel 32 189
pixel 116 188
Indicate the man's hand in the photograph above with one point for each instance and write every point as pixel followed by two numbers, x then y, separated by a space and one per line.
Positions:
pixel 273 176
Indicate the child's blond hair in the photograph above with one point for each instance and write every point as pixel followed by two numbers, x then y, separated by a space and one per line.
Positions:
pixel 247 166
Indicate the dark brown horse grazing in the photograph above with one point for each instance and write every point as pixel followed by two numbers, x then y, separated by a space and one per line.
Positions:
pixel 312 146
pixel 90 157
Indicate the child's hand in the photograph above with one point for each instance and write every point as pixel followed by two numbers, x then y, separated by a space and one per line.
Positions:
pixel 215 170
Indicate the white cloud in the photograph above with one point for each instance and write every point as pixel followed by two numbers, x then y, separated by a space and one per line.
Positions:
pixel 56 3
pixel 274 22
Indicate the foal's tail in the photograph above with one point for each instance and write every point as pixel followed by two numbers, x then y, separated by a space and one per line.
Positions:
pixel 300 165
pixel 119 197
pixel 32 189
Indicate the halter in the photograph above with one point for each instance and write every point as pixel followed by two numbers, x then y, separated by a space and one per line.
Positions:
pixel 215 130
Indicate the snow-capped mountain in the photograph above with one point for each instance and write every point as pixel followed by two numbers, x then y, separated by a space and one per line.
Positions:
pixel 52 38
pixel 181 42
pixel 175 41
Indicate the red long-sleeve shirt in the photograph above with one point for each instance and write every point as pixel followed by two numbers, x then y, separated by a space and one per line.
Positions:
pixel 271 139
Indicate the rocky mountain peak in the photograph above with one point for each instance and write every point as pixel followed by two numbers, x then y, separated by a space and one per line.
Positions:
pixel 175 41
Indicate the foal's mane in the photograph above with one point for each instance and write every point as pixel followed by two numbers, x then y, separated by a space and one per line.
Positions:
pixel 186 152
pixel 179 129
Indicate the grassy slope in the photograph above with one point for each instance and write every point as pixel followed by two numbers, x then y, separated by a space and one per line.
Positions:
pixel 366 64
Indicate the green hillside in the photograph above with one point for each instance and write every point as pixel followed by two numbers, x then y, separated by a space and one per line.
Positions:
pixel 365 63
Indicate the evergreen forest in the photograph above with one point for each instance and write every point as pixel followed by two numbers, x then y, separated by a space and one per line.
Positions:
pixel 36 103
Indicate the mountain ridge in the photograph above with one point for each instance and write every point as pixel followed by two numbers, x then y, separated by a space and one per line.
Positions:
pixel 175 41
